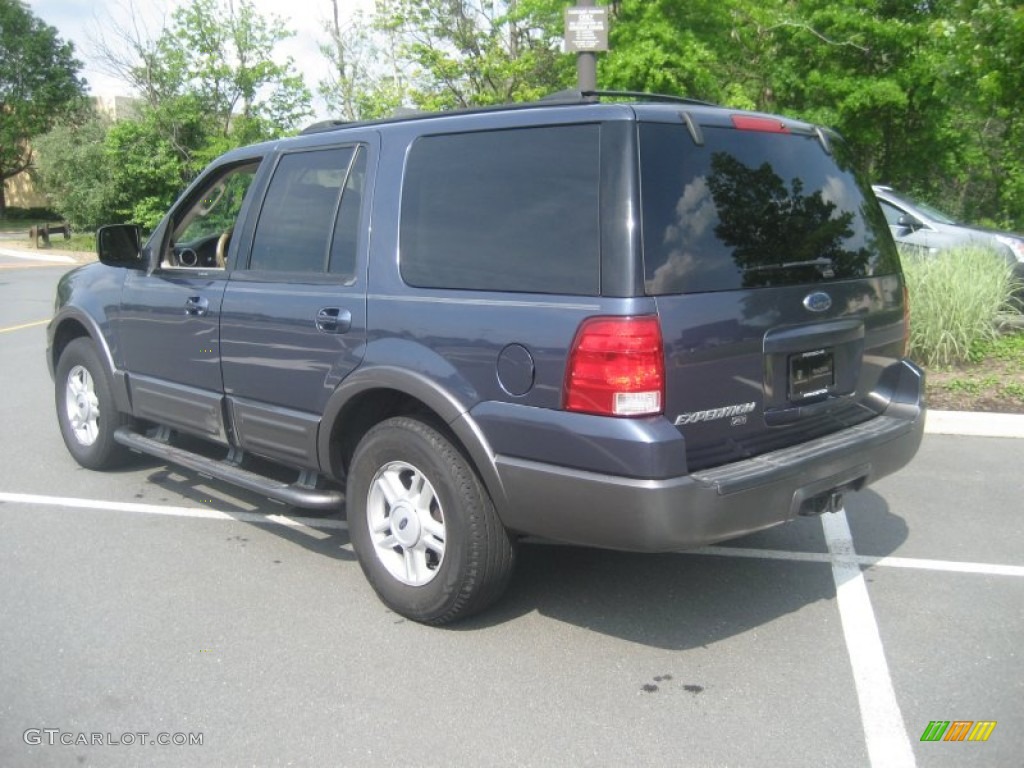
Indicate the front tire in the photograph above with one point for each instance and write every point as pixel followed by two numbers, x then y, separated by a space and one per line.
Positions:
pixel 86 411
pixel 423 526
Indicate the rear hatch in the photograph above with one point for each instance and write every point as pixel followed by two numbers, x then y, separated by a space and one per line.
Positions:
pixel 776 280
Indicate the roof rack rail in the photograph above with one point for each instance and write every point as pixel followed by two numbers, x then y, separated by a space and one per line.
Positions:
pixel 572 96
pixel 400 113
pixel 323 125
pixel 561 97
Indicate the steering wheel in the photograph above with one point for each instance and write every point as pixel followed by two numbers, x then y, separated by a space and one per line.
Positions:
pixel 222 247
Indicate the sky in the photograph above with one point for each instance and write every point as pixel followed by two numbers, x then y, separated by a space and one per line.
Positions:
pixel 81 22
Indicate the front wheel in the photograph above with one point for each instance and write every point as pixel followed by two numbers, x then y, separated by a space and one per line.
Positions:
pixel 85 407
pixel 423 526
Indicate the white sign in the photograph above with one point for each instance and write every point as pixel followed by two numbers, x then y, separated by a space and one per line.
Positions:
pixel 586 29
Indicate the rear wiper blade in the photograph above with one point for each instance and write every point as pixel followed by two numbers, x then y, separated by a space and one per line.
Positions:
pixel 822 263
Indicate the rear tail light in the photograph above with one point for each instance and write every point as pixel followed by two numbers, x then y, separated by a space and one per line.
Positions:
pixel 616 367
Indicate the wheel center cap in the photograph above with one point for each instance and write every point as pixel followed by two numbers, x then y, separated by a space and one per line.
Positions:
pixel 405 526
pixel 83 405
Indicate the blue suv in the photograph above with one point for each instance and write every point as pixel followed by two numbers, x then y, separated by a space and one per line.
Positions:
pixel 642 326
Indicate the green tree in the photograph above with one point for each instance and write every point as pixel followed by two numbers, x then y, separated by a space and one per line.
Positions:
pixel 444 54
pixel 156 159
pixel 75 169
pixel 927 94
pixel 982 68
pixel 365 80
pixel 869 70
pixel 210 81
pixel 671 47
pixel 39 84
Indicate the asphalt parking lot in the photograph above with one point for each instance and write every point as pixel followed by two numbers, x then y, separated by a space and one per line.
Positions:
pixel 152 605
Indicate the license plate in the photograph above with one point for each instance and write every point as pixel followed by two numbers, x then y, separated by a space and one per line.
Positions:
pixel 811 374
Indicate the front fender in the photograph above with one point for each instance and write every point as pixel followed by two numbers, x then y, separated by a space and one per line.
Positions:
pixel 83 298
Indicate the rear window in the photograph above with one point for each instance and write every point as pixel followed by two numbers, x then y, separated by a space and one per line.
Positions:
pixel 511 210
pixel 751 209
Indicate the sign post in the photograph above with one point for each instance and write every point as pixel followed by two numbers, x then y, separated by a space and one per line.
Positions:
pixel 586 33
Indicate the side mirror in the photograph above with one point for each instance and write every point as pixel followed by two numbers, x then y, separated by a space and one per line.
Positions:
pixel 906 221
pixel 120 245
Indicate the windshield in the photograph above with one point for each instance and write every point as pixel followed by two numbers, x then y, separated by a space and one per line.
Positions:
pixel 932 213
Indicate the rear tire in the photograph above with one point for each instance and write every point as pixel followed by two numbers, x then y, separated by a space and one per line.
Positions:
pixel 86 411
pixel 423 526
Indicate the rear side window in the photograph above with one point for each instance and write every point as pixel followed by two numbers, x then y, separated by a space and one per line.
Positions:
pixel 751 209
pixel 512 210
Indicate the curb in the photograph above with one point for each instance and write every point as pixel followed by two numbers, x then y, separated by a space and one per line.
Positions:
pixel 974 424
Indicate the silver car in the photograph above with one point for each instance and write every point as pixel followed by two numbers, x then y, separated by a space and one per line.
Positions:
pixel 919 227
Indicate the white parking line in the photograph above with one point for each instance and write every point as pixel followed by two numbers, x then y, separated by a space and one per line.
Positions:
pixel 884 732
pixel 922 564
pixel 155 509
pixel 952 566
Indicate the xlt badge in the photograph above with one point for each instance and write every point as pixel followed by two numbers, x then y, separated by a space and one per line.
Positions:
pixel 726 411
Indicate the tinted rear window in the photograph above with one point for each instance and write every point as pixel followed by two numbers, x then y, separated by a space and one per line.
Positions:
pixel 513 210
pixel 750 209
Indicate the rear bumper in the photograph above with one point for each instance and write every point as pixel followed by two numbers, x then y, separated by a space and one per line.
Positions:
pixel 688 511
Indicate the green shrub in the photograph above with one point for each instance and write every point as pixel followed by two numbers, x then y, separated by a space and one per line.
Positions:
pixel 74 171
pixel 955 299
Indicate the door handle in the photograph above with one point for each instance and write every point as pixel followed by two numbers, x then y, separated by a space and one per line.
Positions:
pixel 196 306
pixel 333 320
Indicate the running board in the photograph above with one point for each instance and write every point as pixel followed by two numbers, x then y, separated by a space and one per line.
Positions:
pixel 300 494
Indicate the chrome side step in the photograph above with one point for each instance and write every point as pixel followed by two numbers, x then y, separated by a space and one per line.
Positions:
pixel 299 494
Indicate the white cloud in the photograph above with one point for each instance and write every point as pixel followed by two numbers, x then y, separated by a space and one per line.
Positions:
pixel 695 213
pixel 83 23
pixel 696 209
pixel 836 191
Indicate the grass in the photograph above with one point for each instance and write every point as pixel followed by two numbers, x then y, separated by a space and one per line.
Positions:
pixel 991 380
pixel 960 301
pixel 80 241
pixel 956 298
pixel 1008 348
pixel 972 386
pixel 20 220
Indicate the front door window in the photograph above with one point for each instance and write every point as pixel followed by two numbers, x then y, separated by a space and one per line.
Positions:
pixel 202 232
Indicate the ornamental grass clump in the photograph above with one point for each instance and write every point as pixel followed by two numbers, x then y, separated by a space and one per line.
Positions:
pixel 956 298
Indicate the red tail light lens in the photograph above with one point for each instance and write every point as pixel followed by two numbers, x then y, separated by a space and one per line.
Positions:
pixel 616 367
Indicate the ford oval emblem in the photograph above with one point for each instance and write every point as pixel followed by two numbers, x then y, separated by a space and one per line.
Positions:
pixel 818 301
